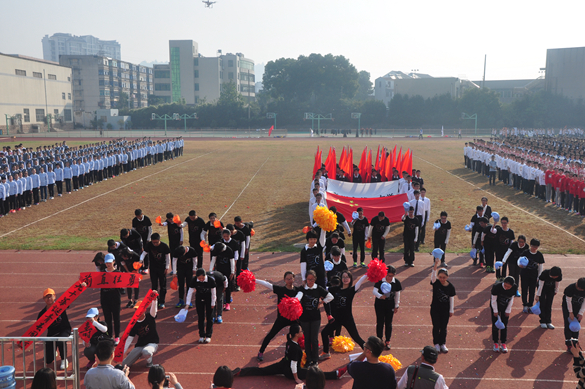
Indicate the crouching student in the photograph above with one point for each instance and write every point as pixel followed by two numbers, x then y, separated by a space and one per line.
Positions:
pixel 148 339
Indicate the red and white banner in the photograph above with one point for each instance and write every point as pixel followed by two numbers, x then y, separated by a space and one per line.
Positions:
pixel 349 189
pixel 102 279
pixel 390 205
pixel 87 330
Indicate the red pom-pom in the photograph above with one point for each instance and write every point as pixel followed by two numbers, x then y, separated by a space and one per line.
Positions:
pixel 301 342
pixel 369 244
pixel 247 281
pixel 290 308
pixel 306 229
pixel 175 283
pixel 376 270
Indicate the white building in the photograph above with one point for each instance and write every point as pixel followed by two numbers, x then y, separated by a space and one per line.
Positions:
pixel 35 93
pixel 67 44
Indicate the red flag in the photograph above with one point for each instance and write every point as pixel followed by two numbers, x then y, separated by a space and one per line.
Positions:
pixel 378 159
pixel 369 167
pixel 389 167
pixel 270 130
pixel 317 164
pixel 362 165
pixel 407 164
pixel 382 169
pixel 349 164
pixel 342 159
pixel 331 164
pixel 391 205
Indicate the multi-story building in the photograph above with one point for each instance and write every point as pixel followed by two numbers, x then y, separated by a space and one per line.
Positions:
pixel 565 72
pixel 67 44
pixel 191 77
pixel 98 83
pixel 511 90
pixel 35 94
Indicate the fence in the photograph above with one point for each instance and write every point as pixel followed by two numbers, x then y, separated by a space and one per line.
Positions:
pixel 13 344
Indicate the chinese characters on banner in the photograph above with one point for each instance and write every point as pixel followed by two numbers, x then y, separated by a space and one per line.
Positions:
pixel 99 280
pixel 54 312
pixel 87 330
pixel 144 305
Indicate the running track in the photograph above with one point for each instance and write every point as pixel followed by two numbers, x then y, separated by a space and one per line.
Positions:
pixel 536 358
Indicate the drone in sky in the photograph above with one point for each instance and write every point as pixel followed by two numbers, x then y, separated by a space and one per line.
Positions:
pixel 209 3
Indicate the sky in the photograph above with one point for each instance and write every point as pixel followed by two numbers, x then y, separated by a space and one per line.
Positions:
pixel 443 39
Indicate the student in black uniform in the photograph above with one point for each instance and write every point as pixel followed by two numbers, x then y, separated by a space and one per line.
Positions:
pixel 386 305
pixel 409 236
pixel 223 261
pixel 195 226
pixel 110 302
pixel 511 258
pixel 236 240
pixel 504 238
pixel 442 235
pixel 530 273
pixel 310 320
pixel 59 328
pixel 501 306
pixel 147 343
pixel 341 310
pixel 246 229
pixel 157 261
pixel 100 333
pixel 341 224
pixel 334 240
pixel 185 269
pixel 379 228
pixel 488 242
pixel 221 284
pixel 573 306
pixel 338 265
pixel 548 287
pixel 290 365
pixel 133 240
pixel 175 232
pixel 127 260
pixel 142 224
pixel 213 233
pixel 98 261
pixel 287 290
pixel 312 257
pixel 205 299
pixel 442 306
pixel 476 231
pixel 360 230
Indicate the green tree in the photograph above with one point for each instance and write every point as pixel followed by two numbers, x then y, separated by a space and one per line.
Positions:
pixel 122 101
pixel 486 104
pixel 365 86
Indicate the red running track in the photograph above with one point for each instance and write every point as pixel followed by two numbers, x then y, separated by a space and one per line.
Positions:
pixel 536 358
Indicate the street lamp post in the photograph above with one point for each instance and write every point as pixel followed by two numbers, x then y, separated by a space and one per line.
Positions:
pixel 357 115
pixel 7 125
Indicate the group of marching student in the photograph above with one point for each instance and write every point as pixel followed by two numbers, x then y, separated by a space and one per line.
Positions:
pixel 30 176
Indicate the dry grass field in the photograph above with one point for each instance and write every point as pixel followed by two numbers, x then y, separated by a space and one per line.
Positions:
pixel 268 181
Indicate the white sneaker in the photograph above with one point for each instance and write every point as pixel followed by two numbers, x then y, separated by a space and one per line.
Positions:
pixel 207 340
pixel 201 340
pixel 550 326
pixel 543 325
pixel 438 348
pixel 64 365
pixel 444 349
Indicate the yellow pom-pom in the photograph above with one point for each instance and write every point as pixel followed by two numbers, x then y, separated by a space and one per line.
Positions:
pixel 389 359
pixel 304 359
pixel 326 219
pixel 342 344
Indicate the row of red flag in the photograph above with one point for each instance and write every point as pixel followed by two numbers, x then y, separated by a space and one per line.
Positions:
pixel 384 163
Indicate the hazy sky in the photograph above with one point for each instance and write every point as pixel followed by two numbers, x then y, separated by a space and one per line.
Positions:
pixel 448 38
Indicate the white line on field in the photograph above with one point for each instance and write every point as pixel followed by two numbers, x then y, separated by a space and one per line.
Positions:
pixel 100 195
pixel 501 199
pixel 225 213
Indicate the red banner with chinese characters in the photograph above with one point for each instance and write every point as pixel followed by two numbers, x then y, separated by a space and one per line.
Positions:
pixel 54 312
pixel 87 330
pixel 99 279
pixel 144 305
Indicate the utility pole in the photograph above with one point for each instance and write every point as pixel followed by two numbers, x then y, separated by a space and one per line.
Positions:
pixel 484 65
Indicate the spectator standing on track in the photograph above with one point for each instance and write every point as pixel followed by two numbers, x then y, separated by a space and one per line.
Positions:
pixel 548 287
pixel 386 305
pixel 104 375
pixel 360 229
pixel 371 373
pixel 423 376
pixel 442 306
pixel 501 304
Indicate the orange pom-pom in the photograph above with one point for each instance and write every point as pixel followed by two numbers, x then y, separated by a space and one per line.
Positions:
pixel 342 344
pixel 137 265
pixel 247 281
pixel 304 359
pixel 326 219
pixel 177 219
pixel 369 244
pixel 158 220
pixel 306 229
pixel 217 224
pixel 252 232
pixel 202 243
pixel 206 248
pixel 389 359
pixel 175 283
pixel 290 308
pixel 376 270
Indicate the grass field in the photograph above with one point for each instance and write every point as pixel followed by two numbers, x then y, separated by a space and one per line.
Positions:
pixel 270 178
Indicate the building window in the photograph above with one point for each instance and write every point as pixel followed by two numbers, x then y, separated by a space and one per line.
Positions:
pixel 67 115
pixel 161 86
pixel 37 75
pixel 63 95
pixel 196 87
pixel 68 96
pixel 176 73
pixel 196 73
pixel 40 115
pixel 230 63
pixel 195 61
pixel 55 112
pixel 51 77
pixel 26 115
pixel 20 72
pixel 247 65
pixel 231 75
pixel 78 82
pixel 221 75
pixel 68 78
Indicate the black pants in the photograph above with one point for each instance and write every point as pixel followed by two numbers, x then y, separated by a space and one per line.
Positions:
pixel 500 252
pixel 68 185
pixel 28 197
pixel 35 195
pixel 110 302
pixel 489 255
pixel 311 331
pixel 199 250
pixel 50 351
pixel 358 242
pixel 408 249
pixel 492 179
pixel 378 248
pixel 499 336
pixel 422 233
pixel 136 292
pixel 440 319
pixel 204 312
pixel 184 275
pixel 281 367
pixel 75 182
pixel 529 282
pixel 278 325
pixel 348 323
pixel 568 333
pixel 546 300
pixel 514 270
pixel 59 187
pixel 384 317
pixel 157 276
pixel 442 246
pixel 89 352
pixel 51 190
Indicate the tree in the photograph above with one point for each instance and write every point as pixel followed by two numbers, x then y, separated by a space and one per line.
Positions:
pixel 121 123
pixel 155 100
pixel 109 126
pixel 364 86
pixel 485 103
pixel 123 101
